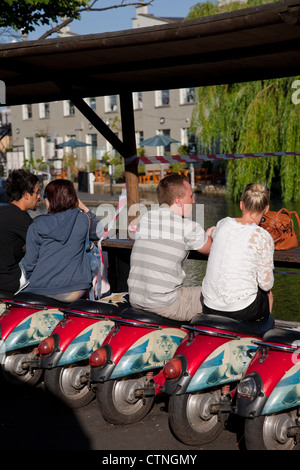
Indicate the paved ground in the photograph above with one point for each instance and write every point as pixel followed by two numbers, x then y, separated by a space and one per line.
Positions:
pixel 31 420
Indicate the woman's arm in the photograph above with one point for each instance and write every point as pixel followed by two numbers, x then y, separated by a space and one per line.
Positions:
pixel 32 251
pixel 265 274
pixel 95 227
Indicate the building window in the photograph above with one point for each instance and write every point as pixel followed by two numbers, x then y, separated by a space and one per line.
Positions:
pixel 139 137
pixel 91 102
pixel 44 109
pixel 29 147
pixel 110 103
pixel 92 150
pixel 27 111
pixel 137 100
pixel 184 136
pixel 69 108
pixel 162 98
pixel 187 96
pixel 167 149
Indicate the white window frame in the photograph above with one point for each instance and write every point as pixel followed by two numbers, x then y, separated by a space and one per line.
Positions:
pixel 111 103
pixel 159 98
pixel 27 111
pixel 187 96
pixel 137 98
pixel 42 110
pixel 69 108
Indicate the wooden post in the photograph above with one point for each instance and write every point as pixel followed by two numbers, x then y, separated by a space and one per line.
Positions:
pixel 130 157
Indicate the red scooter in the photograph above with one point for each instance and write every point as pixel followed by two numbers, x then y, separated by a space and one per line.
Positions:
pixel 202 376
pixel 268 396
pixel 137 347
pixel 24 322
pixel 65 353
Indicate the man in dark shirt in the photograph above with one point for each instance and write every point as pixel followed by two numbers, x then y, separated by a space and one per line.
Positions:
pixel 22 189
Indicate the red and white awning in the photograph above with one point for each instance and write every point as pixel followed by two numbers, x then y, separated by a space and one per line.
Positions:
pixel 209 157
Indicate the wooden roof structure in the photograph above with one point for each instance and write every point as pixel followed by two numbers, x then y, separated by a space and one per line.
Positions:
pixel 245 45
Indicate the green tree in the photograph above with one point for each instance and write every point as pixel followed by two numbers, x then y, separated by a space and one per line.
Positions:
pixel 25 15
pixel 250 117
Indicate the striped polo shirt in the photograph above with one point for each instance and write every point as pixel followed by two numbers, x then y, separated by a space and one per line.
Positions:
pixel 162 243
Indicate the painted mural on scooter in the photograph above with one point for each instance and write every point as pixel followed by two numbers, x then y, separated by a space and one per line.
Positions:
pixel 286 394
pixel 32 330
pixel 90 339
pixel 149 352
pixel 227 363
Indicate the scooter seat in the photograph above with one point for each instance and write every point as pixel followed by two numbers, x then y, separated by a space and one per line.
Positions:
pixel 35 299
pixel 151 317
pixel 282 336
pixel 93 307
pixel 258 328
pixel 5 295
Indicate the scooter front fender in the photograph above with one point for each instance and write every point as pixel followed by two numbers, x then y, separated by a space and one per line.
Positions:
pixel 151 351
pixel 286 394
pixel 137 349
pixel 270 374
pixel 227 363
pixel 27 327
pixel 87 341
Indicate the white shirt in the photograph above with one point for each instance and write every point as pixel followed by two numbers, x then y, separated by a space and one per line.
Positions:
pixel 240 261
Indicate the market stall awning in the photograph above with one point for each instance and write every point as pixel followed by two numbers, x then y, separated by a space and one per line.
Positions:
pixel 245 45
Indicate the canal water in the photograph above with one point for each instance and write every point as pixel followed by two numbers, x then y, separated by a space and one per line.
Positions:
pixel 287 280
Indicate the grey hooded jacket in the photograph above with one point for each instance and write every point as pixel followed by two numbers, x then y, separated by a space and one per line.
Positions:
pixel 55 261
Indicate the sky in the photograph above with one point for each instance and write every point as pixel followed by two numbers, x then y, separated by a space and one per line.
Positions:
pixel 120 18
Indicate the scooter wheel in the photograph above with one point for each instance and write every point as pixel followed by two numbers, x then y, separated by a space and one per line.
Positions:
pixel 13 372
pixel 65 383
pixel 191 420
pixel 118 402
pixel 271 432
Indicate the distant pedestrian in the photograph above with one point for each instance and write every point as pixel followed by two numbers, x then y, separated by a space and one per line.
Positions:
pixel 22 190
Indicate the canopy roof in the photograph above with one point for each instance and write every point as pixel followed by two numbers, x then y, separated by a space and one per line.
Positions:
pixel 245 45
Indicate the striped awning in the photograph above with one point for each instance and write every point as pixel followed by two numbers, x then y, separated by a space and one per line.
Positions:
pixel 209 157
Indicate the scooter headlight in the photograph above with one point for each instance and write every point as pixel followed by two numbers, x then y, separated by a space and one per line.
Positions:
pixel 247 388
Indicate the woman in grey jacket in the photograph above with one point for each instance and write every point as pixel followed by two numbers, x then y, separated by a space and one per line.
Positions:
pixel 56 263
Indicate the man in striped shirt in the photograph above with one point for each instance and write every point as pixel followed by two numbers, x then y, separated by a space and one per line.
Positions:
pixel 163 241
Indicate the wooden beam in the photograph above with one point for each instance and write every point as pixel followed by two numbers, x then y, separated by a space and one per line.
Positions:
pixel 96 121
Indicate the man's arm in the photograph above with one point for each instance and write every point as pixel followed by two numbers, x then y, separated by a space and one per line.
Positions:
pixel 205 249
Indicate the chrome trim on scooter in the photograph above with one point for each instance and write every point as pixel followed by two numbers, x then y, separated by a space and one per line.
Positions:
pixel 134 323
pixel 276 346
pixel 92 316
pixel 23 304
pixel 211 333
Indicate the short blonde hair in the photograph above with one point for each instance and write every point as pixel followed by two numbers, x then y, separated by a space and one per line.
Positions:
pixel 256 197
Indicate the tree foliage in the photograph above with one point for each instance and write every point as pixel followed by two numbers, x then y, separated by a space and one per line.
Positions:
pixel 25 15
pixel 252 117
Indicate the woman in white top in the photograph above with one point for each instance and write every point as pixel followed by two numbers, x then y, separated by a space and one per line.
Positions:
pixel 239 272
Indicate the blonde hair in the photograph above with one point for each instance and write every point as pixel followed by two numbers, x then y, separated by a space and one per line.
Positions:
pixel 256 197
